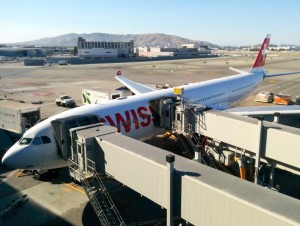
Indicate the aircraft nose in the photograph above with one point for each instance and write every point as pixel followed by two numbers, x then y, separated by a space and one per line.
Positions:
pixel 10 160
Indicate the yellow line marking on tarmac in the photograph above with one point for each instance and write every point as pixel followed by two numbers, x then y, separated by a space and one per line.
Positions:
pixel 21 172
pixel 67 189
pixel 73 187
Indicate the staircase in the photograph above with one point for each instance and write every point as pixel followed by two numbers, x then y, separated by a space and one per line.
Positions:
pixel 99 197
pixel 184 145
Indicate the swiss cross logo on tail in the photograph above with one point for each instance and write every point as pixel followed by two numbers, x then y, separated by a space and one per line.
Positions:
pixel 261 58
pixel 264 51
pixel 263 55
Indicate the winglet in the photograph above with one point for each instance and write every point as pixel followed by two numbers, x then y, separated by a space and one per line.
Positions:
pixel 262 54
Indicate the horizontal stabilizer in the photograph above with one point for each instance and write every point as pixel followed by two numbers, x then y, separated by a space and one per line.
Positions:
pixel 279 74
pixel 135 87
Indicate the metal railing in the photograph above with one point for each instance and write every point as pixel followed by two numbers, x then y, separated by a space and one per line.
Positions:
pixel 99 197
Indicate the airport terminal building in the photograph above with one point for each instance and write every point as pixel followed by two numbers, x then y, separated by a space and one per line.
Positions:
pixel 104 49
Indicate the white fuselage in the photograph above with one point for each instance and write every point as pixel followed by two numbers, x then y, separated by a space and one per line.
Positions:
pixel 132 116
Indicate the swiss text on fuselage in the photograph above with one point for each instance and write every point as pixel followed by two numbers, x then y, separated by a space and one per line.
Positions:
pixel 140 117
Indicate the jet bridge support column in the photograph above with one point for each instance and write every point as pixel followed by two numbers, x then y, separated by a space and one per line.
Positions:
pixel 197 157
pixel 276 117
pixel 170 159
pixel 258 149
pixel 272 175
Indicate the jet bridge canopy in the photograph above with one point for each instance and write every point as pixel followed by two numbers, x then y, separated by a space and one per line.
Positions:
pixel 62 127
pixel 163 111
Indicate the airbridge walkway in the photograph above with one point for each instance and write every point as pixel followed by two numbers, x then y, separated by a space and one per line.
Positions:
pixel 197 193
pixel 264 141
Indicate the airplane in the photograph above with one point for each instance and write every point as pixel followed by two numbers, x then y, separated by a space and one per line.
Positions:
pixel 133 115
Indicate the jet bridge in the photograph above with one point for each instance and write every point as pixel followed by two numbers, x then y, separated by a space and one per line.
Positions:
pixel 269 141
pixel 197 193
pixel 61 127
pixel 223 140
pixel 163 111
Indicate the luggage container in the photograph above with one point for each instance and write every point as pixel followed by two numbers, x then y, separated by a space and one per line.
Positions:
pixel 264 96
pixel 283 99
pixel 297 101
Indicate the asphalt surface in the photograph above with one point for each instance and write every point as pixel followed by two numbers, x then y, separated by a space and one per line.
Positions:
pixel 59 201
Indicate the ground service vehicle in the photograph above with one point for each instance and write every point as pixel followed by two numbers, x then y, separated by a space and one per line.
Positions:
pixel 283 99
pixel 264 96
pixel 65 101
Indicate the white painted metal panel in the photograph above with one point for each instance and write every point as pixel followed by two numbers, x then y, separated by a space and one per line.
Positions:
pixel 141 174
pixel 283 146
pixel 203 204
pixel 231 129
pixel 11 119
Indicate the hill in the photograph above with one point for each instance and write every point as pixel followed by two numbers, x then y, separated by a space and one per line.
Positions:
pixel 151 40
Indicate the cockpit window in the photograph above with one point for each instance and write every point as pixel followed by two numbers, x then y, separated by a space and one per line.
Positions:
pixel 36 141
pixel 45 139
pixel 25 141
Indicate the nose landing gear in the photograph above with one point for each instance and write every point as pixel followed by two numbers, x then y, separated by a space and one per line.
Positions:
pixel 37 175
pixel 42 174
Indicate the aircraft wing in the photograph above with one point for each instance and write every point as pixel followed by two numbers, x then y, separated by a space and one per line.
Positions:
pixel 265 110
pixel 135 87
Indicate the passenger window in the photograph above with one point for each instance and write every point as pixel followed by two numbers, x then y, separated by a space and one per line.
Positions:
pixel 45 139
pixel 36 141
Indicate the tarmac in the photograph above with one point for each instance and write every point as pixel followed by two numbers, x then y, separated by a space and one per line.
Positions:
pixel 58 200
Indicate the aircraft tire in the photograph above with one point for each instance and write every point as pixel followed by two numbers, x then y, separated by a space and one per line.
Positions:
pixel 36 175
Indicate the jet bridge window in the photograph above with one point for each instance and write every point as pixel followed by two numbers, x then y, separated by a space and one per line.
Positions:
pixel 36 141
pixel 45 139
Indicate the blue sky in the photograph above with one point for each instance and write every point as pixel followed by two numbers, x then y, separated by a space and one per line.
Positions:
pixel 229 22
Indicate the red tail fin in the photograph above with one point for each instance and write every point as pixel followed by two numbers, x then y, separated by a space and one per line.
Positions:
pixel 262 54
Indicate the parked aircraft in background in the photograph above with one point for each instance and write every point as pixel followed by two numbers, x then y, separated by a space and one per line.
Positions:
pixel 134 116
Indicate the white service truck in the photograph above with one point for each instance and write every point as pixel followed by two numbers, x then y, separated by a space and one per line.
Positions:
pixel 18 117
pixel 98 95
